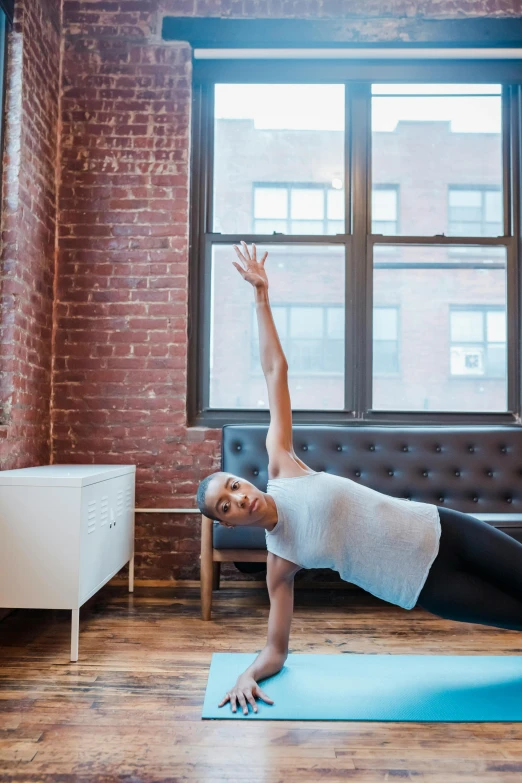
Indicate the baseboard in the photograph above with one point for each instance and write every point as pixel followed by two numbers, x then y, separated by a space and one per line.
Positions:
pixel 231 583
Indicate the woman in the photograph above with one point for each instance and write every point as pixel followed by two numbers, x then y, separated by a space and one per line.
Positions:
pixel 407 553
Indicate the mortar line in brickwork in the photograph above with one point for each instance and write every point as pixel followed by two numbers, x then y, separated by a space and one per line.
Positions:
pixel 57 187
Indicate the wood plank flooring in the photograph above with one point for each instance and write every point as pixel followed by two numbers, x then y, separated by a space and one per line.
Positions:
pixel 129 709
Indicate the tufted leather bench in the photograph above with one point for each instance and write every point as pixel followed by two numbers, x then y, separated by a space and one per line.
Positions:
pixel 474 469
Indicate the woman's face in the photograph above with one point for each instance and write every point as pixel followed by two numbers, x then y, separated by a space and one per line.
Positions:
pixel 235 501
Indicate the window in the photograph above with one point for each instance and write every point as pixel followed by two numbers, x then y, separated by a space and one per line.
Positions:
pixel 298 209
pixel 312 338
pixel 475 211
pixel 385 340
pixel 384 205
pixel 478 342
pixel 385 209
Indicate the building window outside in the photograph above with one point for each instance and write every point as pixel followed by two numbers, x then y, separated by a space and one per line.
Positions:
pixel 312 337
pixel 385 341
pixel 478 342
pixel 475 211
pixel 298 208
pixel 385 209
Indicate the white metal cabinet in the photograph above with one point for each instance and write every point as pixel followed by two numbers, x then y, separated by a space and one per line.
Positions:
pixel 65 530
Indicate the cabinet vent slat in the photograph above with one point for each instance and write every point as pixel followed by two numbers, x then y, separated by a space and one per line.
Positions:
pixel 91 517
pixel 119 505
pixel 104 510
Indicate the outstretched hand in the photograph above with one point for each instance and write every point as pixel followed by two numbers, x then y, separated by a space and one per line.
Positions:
pixel 250 269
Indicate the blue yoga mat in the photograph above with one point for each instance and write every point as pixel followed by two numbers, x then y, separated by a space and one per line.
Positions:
pixel 450 688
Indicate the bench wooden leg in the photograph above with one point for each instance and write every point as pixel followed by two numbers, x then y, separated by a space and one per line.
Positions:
pixel 216 573
pixel 206 568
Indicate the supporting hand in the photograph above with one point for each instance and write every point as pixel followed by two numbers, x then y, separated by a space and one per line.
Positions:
pixel 245 688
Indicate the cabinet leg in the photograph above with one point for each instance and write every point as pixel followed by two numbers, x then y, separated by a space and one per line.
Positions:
pixel 216 572
pixel 75 632
pixel 131 574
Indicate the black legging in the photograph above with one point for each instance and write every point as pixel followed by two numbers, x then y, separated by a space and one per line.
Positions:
pixel 477 574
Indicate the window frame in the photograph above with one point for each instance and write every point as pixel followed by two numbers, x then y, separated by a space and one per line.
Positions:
pixel 358 241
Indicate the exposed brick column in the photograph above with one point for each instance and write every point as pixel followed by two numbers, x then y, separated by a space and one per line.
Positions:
pixel 28 233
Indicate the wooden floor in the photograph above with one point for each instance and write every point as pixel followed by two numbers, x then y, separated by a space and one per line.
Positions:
pixel 129 709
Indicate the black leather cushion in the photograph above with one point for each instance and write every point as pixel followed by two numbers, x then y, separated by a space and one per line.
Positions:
pixel 468 468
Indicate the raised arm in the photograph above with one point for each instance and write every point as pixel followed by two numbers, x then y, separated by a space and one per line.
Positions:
pixel 273 359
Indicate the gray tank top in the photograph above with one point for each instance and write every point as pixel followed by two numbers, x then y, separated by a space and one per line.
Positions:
pixel 383 544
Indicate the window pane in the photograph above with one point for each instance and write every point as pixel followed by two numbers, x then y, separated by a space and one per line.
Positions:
pixel 496 364
pixel 465 198
pixel 274 133
pixel 426 138
pixel 270 202
pixel 443 349
pixel 336 205
pixel 467 326
pixel 307 203
pixel 313 347
pixel 385 323
pixel 306 322
pixel 334 355
pixel 269 226
pixel 493 206
pixel 384 227
pixel 436 89
pixel 496 325
pixel 385 357
pixel 305 355
pixel 335 227
pixel 384 204
pixel 384 209
pixel 307 227
pixel 335 323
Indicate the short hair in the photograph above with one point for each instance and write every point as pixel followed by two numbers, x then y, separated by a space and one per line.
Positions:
pixel 201 497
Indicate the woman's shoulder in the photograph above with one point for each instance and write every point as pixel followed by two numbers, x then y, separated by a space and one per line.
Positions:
pixel 287 465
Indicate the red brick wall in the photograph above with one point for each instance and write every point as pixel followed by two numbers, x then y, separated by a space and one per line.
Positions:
pixel 28 233
pixel 121 345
